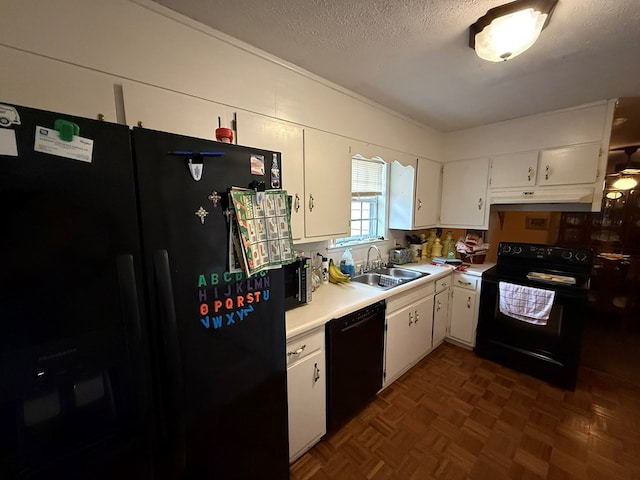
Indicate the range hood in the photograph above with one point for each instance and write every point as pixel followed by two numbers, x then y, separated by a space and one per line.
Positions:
pixel 541 207
pixel 551 199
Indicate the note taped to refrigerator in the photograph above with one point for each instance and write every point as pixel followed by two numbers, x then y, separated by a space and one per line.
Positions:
pixel 8 145
pixel 264 231
pixel 48 141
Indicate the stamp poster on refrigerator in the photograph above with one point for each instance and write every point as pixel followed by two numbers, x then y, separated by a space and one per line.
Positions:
pixel 264 228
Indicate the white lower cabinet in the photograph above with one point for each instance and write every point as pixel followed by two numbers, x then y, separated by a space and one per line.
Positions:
pixel 465 301
pixel 306 391
pixel 441 309
pixel 409 327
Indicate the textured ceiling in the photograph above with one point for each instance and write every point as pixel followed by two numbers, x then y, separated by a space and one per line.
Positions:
pixel 412 56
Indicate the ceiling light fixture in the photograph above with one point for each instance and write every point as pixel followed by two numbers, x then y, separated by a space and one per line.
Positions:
pixel 614 195
pixel 626 173
pixel 625 183
pixel 506 31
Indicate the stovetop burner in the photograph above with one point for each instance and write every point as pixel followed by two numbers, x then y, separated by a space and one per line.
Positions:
pixel 556 267
pixel 576 260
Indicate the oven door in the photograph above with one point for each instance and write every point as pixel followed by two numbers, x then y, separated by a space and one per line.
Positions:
pixel 549 351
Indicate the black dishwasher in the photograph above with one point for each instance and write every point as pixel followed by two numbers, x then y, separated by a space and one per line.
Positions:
pixel 355 350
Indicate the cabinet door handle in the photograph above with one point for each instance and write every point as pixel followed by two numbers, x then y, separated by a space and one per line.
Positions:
pixel 316 373
pixel 417 317
pixel 419 204
pixel 438 306
pixel 546 175
pixel 310 202
pixel 464 283
pixel 296 203
pixel 298 351
pixel 530 173
pixel 410 318
pixel 480 203
pixel 468 302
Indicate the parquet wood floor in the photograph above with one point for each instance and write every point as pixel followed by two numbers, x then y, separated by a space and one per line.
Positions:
pixel 457 416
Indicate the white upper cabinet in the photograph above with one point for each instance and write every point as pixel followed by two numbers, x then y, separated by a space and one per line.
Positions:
pixel 514 170
pixel 567 174
pixel 158 109
pixel 414 194
pixel 269 134
pixel 464 194
pixel 38 82
pixel 576 164
pixel 562 147
pixel 327 185
pixel 569 165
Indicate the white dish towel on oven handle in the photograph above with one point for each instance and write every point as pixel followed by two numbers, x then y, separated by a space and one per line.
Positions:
pixel 528 304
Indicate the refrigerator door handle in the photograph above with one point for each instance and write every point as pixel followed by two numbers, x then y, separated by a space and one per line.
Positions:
pixel 172 351
pixel 131 312
pixel 129 303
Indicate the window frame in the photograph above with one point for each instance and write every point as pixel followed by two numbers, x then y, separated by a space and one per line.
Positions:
pixel 379 219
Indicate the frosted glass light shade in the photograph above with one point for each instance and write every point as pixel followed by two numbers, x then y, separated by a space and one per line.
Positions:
pixel 613 195
pixel 508 36
pixel 625 183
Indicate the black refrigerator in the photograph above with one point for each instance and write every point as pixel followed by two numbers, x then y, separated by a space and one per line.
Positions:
pixel 127 348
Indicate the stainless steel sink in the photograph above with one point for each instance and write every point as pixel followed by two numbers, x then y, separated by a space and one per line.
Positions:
pixel 385 278
pixel 397 272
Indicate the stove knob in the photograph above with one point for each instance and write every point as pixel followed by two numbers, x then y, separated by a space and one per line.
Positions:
pixel 517 250
pixel 506 249
pixel 581 256
pixel 567 255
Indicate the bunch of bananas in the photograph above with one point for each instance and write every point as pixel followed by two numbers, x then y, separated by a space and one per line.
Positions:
pixel 335 275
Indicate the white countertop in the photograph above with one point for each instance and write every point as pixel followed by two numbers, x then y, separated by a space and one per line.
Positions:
pixel 334 301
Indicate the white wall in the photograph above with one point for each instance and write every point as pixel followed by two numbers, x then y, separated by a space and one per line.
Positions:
pixel 144 42
pixel 571 126
pixel 141 41
pixel 73 55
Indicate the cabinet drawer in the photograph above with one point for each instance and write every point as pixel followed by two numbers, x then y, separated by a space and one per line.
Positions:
pixel 443 283
pixel 467 281
pixel 401 300
pixel 304 345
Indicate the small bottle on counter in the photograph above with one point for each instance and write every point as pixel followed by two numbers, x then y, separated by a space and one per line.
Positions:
pixel 346 264
pixel 449 247
pixel 427 248
pixel 325 270
pixel 436 249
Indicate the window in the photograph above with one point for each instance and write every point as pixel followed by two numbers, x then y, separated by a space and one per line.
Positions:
pixel 368 186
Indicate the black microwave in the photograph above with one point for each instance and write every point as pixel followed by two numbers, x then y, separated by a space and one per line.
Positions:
pixel 297 283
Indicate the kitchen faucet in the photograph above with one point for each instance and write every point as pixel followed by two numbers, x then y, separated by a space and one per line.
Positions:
pixel 367 265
